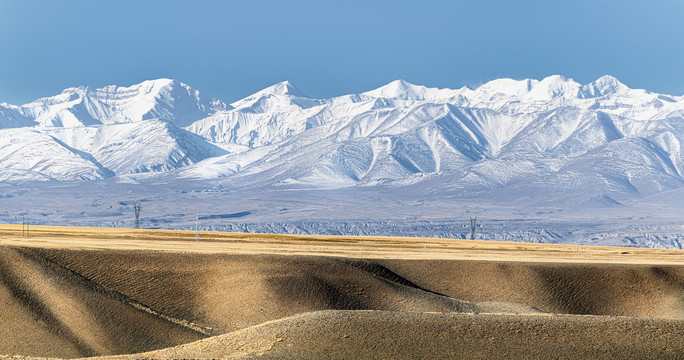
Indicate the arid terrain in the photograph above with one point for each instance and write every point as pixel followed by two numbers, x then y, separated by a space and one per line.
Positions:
pixel 85 292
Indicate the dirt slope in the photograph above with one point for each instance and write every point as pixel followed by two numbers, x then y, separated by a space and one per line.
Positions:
pixel 230 292
pixel 47 311
pixel 118 295
pixel 408 335
pixel 226 293
pixel 597 289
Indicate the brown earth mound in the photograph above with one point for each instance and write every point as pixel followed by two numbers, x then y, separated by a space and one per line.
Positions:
pixel 47 311
pixel 230 292
pixel 408 335
pixel 225 293
pixel 78 302
pixel 566 288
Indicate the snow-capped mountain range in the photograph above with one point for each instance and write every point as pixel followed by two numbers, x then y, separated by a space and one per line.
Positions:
pixel 546 160
pixel 553 134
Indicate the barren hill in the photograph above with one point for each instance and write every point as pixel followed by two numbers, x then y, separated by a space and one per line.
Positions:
pixel 73 292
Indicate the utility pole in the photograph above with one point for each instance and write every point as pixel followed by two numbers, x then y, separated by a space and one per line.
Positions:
pixel 473 226
pixel 197 223
pixel 25 220
pixel 136 207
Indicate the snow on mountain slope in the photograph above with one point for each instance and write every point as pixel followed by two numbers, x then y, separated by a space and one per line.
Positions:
pixel 604 86
pixel 164 99
pixel 403 90
pixel 627 165
pixel 495 136
pixel 148 146
pixel 10 117
pixel 125 129
pixel 375 146
pixel 268 116
pixel 260 100
pixel 568 131
pixel 499 135
pixel 547 160
pixel 27 155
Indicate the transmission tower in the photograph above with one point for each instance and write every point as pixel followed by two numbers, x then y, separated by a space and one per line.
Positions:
pixel 25 219
pixel 136 207
pixel 473 226
pixel 197 226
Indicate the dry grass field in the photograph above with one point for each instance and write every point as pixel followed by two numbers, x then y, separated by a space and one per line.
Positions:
pixel 82 292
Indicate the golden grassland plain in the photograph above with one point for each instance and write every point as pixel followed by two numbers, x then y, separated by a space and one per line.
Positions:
pixel 86 292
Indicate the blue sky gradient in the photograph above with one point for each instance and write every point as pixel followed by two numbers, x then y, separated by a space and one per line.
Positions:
pixel 230 49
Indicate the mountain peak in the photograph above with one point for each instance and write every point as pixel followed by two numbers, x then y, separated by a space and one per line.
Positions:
pixel 165 99
pixel 283 88
pixel 550 87
pixel 146 86
pixel 554 86
pixel 404 90
pixel 72 91
pixel 507 86
pixel 281 91
pixel 155 85
pixel 603 86
pixel 398 89
pixel 401 84
pixel 160 82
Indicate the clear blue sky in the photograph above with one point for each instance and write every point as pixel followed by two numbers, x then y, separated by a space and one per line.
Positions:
pixel 230 49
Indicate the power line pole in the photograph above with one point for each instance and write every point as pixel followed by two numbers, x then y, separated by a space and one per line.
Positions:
pixel 25 220
pixel 197 224
pixel 473 226
pixel 136 207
